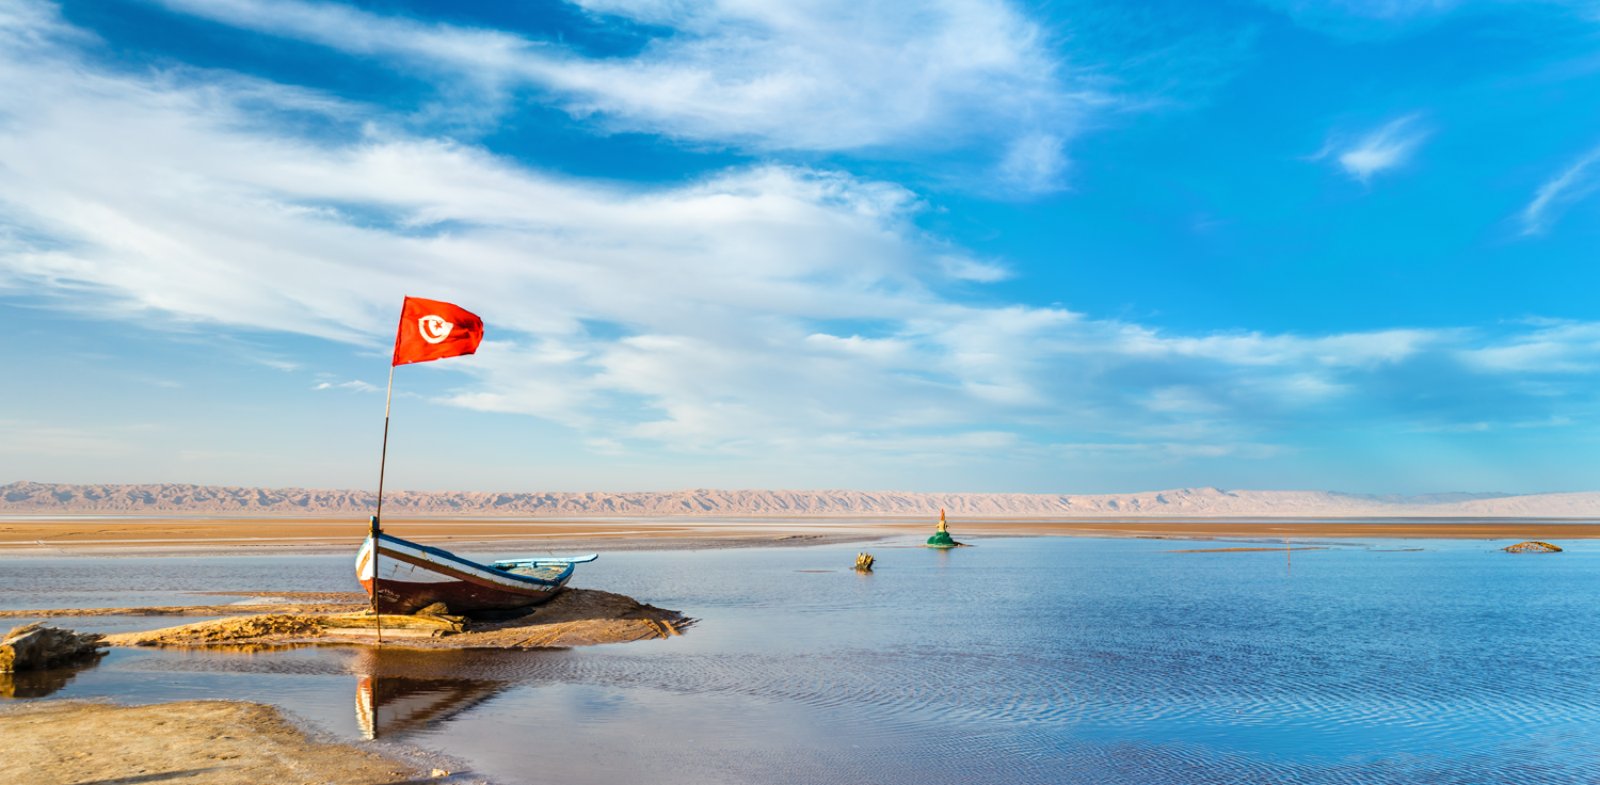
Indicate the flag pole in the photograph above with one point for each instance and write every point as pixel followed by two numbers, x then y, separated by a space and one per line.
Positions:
pixel 383 462
pixel 432 337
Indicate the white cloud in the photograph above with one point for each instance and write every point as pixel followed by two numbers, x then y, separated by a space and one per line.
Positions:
pixel 765 75
pixel 354 385
pixel 1034 164
pixel 350 29
pixel 1547 347
pixel 760 310
pixel 1389 146
pixel 1357 350
pixel 1574 183
pixel 963 268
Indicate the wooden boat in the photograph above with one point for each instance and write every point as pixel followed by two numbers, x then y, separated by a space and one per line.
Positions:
pixel 410 576
pixel 404 577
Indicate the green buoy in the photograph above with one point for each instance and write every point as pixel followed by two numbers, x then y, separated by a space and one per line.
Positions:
pixel 941 538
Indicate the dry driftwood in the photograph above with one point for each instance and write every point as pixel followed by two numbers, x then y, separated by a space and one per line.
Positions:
pixel 35 646
pixel 432 624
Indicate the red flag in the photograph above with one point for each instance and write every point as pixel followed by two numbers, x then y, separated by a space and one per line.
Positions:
pixel 431 330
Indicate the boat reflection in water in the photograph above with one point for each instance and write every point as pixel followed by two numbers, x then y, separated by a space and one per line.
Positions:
pixel 388 703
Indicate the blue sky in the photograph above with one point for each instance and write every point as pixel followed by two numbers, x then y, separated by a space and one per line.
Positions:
pixel 960 245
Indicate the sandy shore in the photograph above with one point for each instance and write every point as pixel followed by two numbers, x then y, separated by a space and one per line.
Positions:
pixel 164 535
pixel 193 742
pixel 109 535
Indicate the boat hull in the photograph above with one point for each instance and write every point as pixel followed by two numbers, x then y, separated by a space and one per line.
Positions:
pixel 410 577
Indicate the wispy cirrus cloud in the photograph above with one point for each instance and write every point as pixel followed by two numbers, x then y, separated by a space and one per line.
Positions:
pixel 353 385
pixel 869 78
pixel 1542 347
pixel 1571 185
pixel 1389 146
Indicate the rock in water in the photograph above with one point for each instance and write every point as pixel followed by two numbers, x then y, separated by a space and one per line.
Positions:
pixel 35 646
pixel 1532 546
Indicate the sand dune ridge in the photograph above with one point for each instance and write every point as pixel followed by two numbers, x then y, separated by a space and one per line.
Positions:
pixel 173 498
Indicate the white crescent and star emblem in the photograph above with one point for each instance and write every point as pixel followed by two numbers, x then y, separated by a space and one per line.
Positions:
pixel 434 329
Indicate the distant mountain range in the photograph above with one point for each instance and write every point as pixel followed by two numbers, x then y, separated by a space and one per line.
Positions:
pixel 21 498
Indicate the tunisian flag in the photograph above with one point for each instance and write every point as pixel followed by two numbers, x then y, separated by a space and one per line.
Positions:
pixel 431 330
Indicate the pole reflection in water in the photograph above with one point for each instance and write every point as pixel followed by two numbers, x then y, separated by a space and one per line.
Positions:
pixel 394 695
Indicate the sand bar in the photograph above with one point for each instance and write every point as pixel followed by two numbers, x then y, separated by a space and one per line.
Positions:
pixel 192 742
pixel 44 535
pixel 575 617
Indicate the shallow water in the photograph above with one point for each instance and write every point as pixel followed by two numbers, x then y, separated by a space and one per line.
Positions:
pixel 1021 660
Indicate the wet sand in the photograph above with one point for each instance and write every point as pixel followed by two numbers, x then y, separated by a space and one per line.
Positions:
pixel 193 742
pixel 168 535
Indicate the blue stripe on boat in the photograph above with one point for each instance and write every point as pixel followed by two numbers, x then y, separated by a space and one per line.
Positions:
pixel 448 556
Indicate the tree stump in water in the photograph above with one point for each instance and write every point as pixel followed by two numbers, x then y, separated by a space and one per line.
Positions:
pixel 35 646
